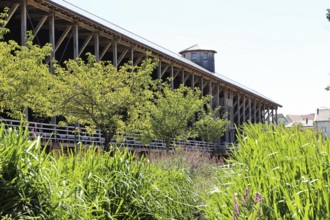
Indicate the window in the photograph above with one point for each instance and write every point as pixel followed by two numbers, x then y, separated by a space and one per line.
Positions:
pixel 193 56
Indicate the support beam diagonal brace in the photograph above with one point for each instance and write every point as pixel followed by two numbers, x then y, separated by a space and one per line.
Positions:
pixel 122 55
pixel 11 12
pixel 105 50
pixel 86 42
pixel 39 25
pixel 64 34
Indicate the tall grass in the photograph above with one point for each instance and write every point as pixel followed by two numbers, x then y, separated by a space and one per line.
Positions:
pixel 275 174
pixel 87 184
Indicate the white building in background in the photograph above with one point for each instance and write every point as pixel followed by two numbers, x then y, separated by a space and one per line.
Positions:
pixel 322 121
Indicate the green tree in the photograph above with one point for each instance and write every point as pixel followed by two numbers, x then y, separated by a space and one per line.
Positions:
pixel 210 127
pixel 24 78
pixel 167 118
pixel 328 14
pixel 98 95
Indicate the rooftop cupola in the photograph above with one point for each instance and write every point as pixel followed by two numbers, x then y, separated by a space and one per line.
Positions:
pixel 202 57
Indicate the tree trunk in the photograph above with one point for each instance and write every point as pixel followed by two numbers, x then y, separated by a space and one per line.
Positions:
pixel 168 145
pixel 107 139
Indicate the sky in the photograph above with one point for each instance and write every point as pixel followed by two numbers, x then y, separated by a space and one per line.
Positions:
pixel 279 48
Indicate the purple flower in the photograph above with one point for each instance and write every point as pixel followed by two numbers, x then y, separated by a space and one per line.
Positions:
pixel 234 217
pixel 236 205
pixel 258 198
pixel 246 192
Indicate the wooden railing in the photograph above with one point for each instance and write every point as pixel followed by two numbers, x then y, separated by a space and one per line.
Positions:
pixel 56 135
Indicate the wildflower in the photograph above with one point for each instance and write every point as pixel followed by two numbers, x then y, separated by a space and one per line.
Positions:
pixel 246 192
pixel 234 217
pixel 236 205
pixel 257 198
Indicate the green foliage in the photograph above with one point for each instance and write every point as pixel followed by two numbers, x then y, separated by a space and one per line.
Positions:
pixel 209 127
pixel 167 118
pixel 96 94
pixel 276 173
pixel 24 78
pixel 328 14
pixel 88 184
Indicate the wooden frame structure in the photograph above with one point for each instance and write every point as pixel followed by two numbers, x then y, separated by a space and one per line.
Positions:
pixel 74 32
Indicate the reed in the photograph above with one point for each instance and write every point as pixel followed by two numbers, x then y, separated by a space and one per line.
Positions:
pixel 277 173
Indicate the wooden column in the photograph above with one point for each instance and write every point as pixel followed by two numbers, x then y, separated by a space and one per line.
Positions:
pixel 97 46
pixel 75 41
pixel 211 94
pixel 244 109
pixel 217 97
pixel 254 111
pixel 225 97
pixel 172 78
pixel 182 78
pixel 192 81
pixel 23 23
pixel 52 52
pixel 23 41
pixel 159 72
pixel 132 56
pixel 239 110
pixel 114 53
pixel 250 109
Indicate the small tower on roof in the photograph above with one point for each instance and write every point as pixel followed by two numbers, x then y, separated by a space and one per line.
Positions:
pixel 202 57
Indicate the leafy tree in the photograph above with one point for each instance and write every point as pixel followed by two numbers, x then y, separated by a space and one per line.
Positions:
pixel 209 127
pixel 328 14
pixel 24 78
pixel 167 118
pixel 98 95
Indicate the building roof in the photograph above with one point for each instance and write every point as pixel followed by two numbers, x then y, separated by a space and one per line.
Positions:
pixel 297 118
pixel 305 123
pixel 123 32
pixel 196 47
pixel 322 115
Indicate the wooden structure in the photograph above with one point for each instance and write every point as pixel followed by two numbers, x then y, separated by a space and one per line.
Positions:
pixel 73 32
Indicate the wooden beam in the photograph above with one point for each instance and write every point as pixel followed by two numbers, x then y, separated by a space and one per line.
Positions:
pixel 97 46
pixel 122 55
pixel 172 80
pixel 63 36
pixel 138 60
pixel 105 50
pixel 75 41
pixel 86 42
pixel 164 70
pixel 11 12
pixel 39 25
pixel 52 40
pixel 23 22
pixel 114 53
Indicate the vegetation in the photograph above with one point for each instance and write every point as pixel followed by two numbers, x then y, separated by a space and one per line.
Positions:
pixel 96 94
pixel 209 127
pixel 87 184
pixel 24 77
pixel 276 173
pixel 169 114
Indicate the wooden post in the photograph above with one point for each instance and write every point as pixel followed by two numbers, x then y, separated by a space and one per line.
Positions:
pixel 172 78
pixel 52 52
pixel 75 41
pixel 23 41
pixel 97 46
pixel 114 53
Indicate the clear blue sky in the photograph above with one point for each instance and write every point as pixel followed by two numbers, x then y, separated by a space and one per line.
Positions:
pixel 278 48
